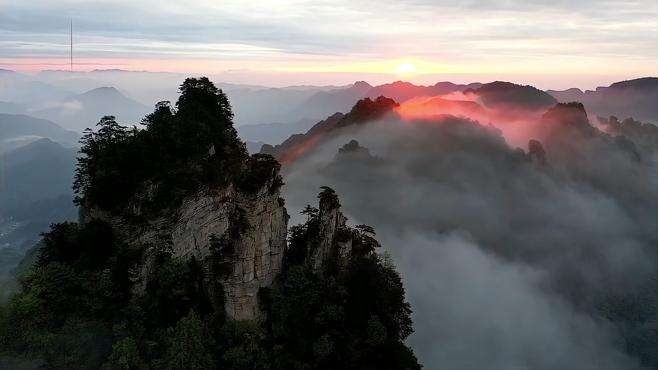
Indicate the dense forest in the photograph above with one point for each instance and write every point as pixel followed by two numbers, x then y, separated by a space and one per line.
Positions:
pixel 79 306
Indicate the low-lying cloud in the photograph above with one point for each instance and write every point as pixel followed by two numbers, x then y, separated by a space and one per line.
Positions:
pixel 508 263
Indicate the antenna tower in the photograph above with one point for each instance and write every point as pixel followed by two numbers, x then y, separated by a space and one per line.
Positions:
pixel 71 44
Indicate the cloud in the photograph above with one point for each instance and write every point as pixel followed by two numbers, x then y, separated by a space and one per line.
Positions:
pixel 508 264
pixel 486 313
pixel 504 33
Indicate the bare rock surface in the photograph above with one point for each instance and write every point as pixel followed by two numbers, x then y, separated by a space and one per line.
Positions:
pixel 253 225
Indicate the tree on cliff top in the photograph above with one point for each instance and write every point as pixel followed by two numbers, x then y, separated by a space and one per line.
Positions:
pixel 179 150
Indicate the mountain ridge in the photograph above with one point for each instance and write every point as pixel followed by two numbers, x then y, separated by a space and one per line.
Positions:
pixel 18 129
pixel 81 111
pixel 627 99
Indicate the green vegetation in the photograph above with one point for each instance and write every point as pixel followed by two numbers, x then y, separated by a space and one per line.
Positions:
pixel 353 317
pixel 82 306
pixel 78 309
pixel 180 150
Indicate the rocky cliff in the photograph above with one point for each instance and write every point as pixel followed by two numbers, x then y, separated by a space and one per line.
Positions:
pixel 334 241
pixel 181 257
pixel 244 232
pixel 189 192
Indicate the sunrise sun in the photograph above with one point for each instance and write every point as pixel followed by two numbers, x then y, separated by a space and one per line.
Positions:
pixel 405 68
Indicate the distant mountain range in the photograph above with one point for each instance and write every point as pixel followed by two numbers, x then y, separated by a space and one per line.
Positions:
pixel 78 112
pixel 37 171
pixel 261 105
pixel 497 101
pixel 325 103
pixel 320 104
pixel 35 191
pixel 274 133
pixel 18 129
pixel 37 161
pixel 19 88
pixel 75 101
pixel 634 98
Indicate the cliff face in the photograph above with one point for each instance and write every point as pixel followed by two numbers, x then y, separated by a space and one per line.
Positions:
pixel 244 232
pixel 184 189
pixel 335 243
pixel 255 252
pixel 332 222
pixel 181 234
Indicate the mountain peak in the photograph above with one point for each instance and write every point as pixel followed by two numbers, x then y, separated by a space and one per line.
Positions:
pixel 568 114
pixel 353 151
pixel 103 90
pixel 367 110
pixel 361 85
pixel 444 84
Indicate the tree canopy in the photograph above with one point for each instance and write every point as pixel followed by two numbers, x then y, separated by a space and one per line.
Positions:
pixel 178 150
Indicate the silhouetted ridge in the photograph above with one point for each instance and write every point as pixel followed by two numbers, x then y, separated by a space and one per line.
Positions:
pixel 365 110
pixel 15 126
pixel 40 170
pixel 103 91
pixel 81 111
pixel 646 83
pixel 501 94
pixel 633 98
pixel 568 113
pixel 402 91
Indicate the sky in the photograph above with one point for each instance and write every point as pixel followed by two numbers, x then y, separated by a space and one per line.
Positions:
pixel 552 44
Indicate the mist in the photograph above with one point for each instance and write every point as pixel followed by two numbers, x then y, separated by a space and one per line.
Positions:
pixel 510 261
pixel 514 256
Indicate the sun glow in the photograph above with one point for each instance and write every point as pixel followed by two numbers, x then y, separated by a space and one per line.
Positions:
pixel 405 68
